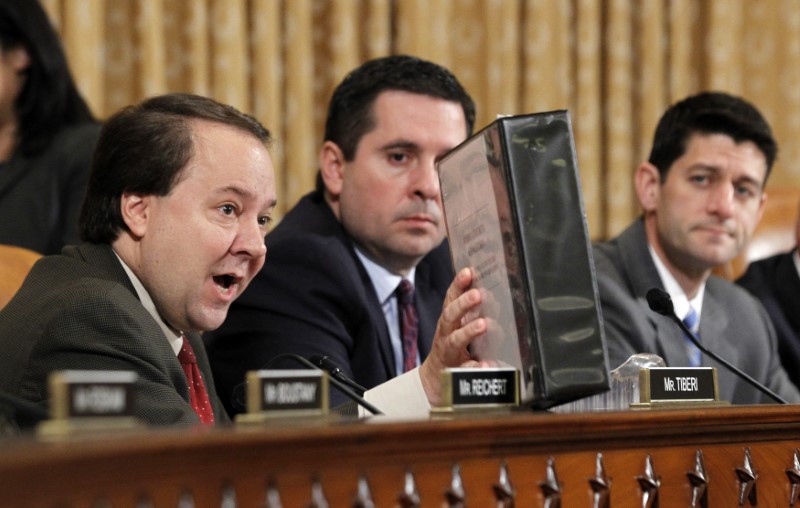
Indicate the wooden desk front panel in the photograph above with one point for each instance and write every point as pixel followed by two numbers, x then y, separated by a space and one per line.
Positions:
pixel 156 468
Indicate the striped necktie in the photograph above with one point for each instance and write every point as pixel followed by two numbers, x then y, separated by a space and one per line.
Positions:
pixel 693 324
pixel 409 323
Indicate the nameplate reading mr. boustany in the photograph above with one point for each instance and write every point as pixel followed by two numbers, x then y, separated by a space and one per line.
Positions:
pixel 479 388
pixel 287 392
pixel 678 386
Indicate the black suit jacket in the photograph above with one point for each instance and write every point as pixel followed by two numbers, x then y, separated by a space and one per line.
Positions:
pixel 732 323
pixel 41 195
pixel 79 310
pixel 775 282
pixel 314 297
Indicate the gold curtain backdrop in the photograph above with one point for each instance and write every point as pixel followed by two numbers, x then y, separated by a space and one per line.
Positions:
pixel 615 64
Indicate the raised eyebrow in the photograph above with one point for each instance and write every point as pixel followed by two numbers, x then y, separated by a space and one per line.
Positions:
pixel 404 144
pixel 244 193
pixel 271 206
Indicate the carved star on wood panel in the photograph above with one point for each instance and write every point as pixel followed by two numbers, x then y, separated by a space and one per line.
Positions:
pixel 318 499
pixel 601 486
pixel 456 498
pixel 794 477
pixel 409 498
pixel 747 480
pixel 363 495
pixel 503 490
pixel 551 487
pixel 649 483
pixel 699 482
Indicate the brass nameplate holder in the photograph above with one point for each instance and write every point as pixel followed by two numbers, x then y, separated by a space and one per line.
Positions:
pixel 678 387
pixel 275 394
pixel 478 390
pixel 90 400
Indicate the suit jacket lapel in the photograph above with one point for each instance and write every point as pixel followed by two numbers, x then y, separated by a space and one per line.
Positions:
pixel 643 276
pixel 714 326
pixel 375 309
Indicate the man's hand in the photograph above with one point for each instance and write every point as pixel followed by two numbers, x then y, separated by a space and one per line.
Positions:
pixel 454 332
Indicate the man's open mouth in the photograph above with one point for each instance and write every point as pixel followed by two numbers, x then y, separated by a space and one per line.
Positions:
pixel 225 281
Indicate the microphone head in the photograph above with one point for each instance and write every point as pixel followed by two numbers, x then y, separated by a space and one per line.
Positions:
pixel 660 301
pixel 325 363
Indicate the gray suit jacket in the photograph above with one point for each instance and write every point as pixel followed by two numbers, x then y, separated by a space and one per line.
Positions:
pixel 79 310
pixel 733 324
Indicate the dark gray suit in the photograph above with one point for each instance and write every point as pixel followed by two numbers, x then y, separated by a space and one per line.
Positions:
pixel 733 324
pixel 79 310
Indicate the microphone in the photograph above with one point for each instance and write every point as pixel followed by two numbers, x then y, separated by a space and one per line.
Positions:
pixel 335 382
pixel 660 302
pixel 325 363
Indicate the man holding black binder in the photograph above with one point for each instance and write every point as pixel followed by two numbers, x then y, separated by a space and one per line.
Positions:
pixel 358 269
pixel 702 192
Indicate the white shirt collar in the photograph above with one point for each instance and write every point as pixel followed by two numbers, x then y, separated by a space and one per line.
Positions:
pixel 384 281
pixel 175 338
pixel 680 301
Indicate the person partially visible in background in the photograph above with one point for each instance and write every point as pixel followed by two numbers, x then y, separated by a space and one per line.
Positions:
pixel 47 133
pixel 775 281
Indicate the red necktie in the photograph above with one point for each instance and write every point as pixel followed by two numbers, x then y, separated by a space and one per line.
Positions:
pixel 409 323
pixel 198 396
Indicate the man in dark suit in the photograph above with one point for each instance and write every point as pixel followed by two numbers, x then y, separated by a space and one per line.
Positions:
pixel 179 200
pixel 180 196
pixel 775 281
pixel 702 195
pixel 374 220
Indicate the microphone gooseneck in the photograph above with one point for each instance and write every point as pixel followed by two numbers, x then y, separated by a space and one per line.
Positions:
pixel 660 302
pixel 325 363
pixel 335 382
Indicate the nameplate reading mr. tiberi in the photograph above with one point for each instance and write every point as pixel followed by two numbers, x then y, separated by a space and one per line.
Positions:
pixel 678 386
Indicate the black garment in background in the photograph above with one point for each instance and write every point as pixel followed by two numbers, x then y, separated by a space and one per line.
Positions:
pixel 775 282
pixel 41 196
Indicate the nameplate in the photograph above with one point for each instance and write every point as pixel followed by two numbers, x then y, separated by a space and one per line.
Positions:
pixel 91 394
pixel 287 392
pixel 678 384
pixel 479 388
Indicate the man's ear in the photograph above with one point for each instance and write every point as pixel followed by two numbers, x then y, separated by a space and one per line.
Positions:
pixel 647 182
pixel 135 209
pixel 331 167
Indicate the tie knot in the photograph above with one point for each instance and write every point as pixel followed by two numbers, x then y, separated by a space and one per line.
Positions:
pixel 405 292
pixel 186 354
pixel 691 319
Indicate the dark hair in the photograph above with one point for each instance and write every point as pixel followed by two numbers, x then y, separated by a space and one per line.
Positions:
pixel 710 113
pixel 144 149
pixel 49 98
pixel 350 109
